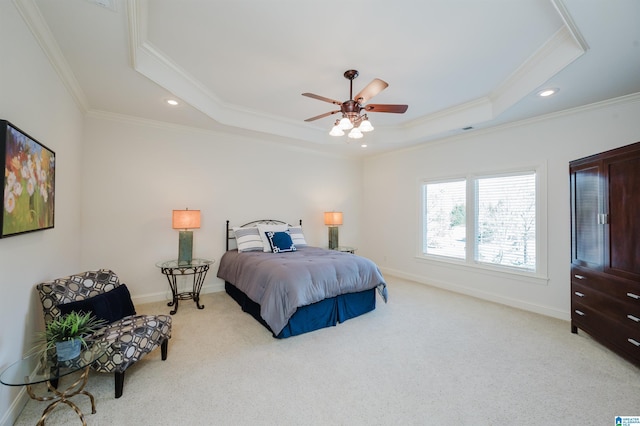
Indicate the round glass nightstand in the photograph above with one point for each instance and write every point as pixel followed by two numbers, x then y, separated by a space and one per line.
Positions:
pixel 173 269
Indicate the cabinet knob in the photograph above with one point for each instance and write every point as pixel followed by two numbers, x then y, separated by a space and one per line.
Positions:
pixel 633 318
pixel 579 312
pixel 633 342
pixel 580 277
pixel 633 296
pixel 577 293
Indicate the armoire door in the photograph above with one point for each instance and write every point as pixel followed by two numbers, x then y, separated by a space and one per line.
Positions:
pixel 587 231
pixel 622 231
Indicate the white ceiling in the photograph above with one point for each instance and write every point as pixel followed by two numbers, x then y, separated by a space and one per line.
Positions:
pixel 241 65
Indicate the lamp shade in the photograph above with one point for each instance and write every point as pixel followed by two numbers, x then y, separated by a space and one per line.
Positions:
pixel 333 218
pixel 186 219
pixel 336 131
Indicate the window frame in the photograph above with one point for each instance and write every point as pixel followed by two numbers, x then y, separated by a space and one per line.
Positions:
pixel 539 274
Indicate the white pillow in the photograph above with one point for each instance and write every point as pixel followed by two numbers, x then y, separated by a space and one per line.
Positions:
pixel 262 229
pixel 297 236
pixel 248 239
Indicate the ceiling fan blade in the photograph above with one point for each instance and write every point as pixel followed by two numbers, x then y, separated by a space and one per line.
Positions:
pixel 322 98
pixel 376 86
pixel 398 109
pixel 326 114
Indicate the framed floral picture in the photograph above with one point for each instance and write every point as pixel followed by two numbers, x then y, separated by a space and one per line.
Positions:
pixel 28 190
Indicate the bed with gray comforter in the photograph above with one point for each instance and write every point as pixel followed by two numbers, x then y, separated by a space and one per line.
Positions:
pixel 280 285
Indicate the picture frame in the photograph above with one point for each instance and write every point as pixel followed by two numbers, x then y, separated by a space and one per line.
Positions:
pixel 28 190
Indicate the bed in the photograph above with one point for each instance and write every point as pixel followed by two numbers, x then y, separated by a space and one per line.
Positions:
pixel 290 287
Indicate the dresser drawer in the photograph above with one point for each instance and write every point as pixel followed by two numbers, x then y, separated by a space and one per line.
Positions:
pixel 625 311
pixel 622 339
pixel 618 288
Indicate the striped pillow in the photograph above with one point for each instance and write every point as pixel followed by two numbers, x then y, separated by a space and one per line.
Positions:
pixel 297 236
pixel 248 239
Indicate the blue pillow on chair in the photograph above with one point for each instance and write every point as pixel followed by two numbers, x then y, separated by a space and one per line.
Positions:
pixel 110 306
pixel 280 241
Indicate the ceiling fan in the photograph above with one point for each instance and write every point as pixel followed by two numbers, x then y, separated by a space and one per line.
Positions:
pixel 351 109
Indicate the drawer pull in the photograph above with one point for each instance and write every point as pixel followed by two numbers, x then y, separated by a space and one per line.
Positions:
pixel 633 318
pixel 634 342
pixel 579 312
pixel 580 277
pixel 633 296
pixel 577 293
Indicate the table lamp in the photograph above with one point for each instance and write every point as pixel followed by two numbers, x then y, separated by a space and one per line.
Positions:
pixel 185 220
pixel 332 220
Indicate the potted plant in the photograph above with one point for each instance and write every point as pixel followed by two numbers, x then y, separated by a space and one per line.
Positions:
pixel 67 333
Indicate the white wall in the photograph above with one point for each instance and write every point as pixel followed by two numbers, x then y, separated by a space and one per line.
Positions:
pixel 391 227
pixel 33 98
pixel 135 173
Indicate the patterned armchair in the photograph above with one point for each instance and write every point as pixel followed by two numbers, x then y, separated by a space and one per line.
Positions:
pixel 132 337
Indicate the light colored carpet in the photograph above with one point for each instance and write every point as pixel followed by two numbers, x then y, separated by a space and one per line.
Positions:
pixel 428 357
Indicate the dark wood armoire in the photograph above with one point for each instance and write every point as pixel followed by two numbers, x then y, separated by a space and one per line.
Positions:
pixel 605 249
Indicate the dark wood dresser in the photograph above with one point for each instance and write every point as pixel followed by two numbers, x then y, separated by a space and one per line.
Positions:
pixel 605 249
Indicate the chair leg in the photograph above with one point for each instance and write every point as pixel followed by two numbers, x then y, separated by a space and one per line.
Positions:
pixel 163 349
pixel 119 379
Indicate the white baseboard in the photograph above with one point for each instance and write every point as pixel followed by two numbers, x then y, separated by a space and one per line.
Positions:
pixel 15 408
pixel 469 291
pixel 165 295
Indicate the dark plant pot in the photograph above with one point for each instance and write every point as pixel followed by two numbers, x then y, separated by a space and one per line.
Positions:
pixel 68 349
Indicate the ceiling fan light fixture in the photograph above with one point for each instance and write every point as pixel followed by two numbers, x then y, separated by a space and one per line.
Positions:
pixel 351 109
pixel 336 131
pixel 365 125
pixel 345 123
pixel 355 133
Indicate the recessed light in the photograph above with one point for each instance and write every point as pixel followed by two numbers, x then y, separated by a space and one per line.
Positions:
pixel 547 92
pixel 364 145
pixel 172 102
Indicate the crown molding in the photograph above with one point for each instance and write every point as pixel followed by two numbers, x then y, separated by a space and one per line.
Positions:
pixel 554 55
pixel 223 134
pixel 551 58
pixel 621 100
pixel 42 33
pixel 564 47
pixel 154 64
pixel 573 29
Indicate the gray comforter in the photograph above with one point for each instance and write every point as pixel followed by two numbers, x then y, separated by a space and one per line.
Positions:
pixel 282 282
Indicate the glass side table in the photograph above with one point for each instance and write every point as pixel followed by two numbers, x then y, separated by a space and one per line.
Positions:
pixel 173 269
pixel 39 368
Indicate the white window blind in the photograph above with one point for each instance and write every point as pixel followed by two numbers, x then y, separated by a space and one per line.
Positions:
pixel 501 221
pixel 506 220
pixel 444 219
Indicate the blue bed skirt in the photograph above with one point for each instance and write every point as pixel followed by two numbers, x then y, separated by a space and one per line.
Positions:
pixel 325 313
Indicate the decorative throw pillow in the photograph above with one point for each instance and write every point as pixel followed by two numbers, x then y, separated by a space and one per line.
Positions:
pixel 110 306
pixel 266 247
pixel 248 239
pixel 297 236
pixel 280 241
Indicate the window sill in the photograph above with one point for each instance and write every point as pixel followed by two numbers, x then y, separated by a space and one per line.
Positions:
pixel 461 265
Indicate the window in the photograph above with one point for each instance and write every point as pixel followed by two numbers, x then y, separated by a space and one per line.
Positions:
pixel 445 218
pixel 490 220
